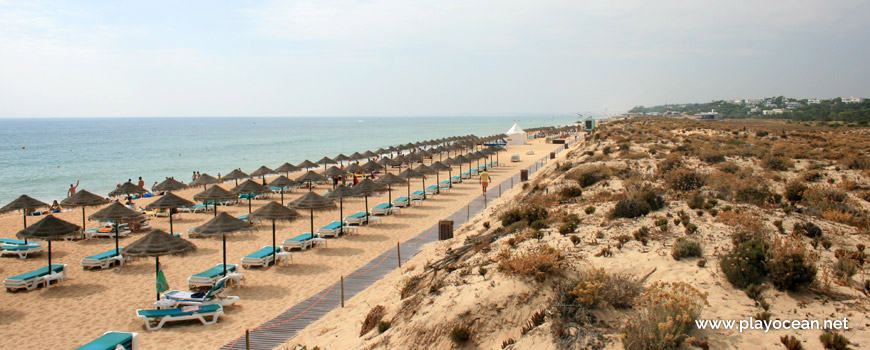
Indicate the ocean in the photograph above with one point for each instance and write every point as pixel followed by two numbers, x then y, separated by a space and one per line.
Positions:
pixel 42 157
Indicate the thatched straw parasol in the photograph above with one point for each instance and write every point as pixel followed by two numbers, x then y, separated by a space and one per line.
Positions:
pixel 49 229
pixel 116 213
pixel 356 156
pixel 425 170
pixel 262 172
pixel 84 199
pixel 438 167
pixel 307 164
pixel 127 189
pixel 334 171
pixel 214 194
pixel 23 203
pixel 287 168
pixel 341 158
pixel 223 224
pixel 390 180
pixel 325 161
pixel 311 177
pixel 248 188
pixel 204 180
pixel 354 168
pixel 158 243
pixel 408 174
pixel 282 181
pixel 312 201
pixel 170 202
pixel 365 188
pixel 170 185
pixel 341 193
pixel 236 174
pixel 274 211
pixel 369 154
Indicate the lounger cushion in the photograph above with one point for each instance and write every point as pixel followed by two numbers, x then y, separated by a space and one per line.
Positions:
pixel 262 253
pixel 110 341
pixel 42 271
pixel 177 311
pixel 215 271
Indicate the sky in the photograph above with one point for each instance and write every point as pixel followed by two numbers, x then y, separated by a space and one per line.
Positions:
pixel 195 58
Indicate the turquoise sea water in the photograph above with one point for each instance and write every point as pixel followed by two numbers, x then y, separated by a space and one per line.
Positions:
pixel 42 157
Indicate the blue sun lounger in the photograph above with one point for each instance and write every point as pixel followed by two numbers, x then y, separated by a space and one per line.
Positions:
pixel 14 242
pixel 417 195
pixel 383 209
pixel 262 257
pixel 445 185
pixel 111 341
pixel 215 295
pixel 155 319
pixel 333 229
pixel 401 202
pixel 104 260
pixel 432 190
pixel 34 279
pixel 21 250
pixel 466 175
pixel 358 218
pixel 209 277
pixel 303 241
pixel 456 179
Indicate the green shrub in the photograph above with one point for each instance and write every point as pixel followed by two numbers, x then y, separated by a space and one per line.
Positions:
pixel 794 191
pixel 684 180
pixel 662 222
pixel 651 198
pixel 713 157
pixel 641 233
pixel 567 228
pixel 572 218
pixel 590 209
pixel 629 208
pixel 691 228
pixel 777 163
pixel 482 271
pixel 751 194
pixel 571 192
pixel 696 202
pixel 511 216
pixel 538 225
pixel 790 265
pixel 685 248
pixel 746 264
pixel 791 343
pixel 596 287
pixel 834 341
pixel 383 326
pixel 588 175
pixel 808 229
pixel 575 239
pixel 460 334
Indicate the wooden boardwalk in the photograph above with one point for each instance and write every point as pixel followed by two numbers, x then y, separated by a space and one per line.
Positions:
pixel 277 331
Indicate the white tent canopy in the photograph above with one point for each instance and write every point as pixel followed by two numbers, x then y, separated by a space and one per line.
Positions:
pixel 516 135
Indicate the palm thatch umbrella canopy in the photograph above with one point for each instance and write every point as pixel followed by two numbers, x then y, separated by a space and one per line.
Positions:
pixel 204 180
pixel 356 156
pixel 223 224
pixel 158 243
pixel 375 166
pixel 248 188
pixel 262 172
pixel 116 213
pixel 170 185
pixel 400 159
pixel 425 170
pixel 380 151
pixel 438 166
pixel 365 188
pixel 333 171
pixel 413 157
pixel 390 180
pixel 236 174
pixel 274 211
pixel 23 203
pixel 127 189
pixel 341 158
pixel 341 193
pixel 287 168
pixel 49 229
pixel 459 160
pixel 282 182
pixel 408 174
pixel 354 168
pixel 369 154
pixel 311 177
pixel 325 161
pixel 307 164
pixel 214 194
pixel 312 201
pixel 84 199
pixel 170 201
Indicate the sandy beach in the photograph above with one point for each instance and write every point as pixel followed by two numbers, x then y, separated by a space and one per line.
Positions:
pixel 92 302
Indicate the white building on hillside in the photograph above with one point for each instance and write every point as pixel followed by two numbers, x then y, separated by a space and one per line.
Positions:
pixel 852 99
pixel 814 101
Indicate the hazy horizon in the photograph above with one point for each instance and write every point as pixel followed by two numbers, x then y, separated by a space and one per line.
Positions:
pixel 391 58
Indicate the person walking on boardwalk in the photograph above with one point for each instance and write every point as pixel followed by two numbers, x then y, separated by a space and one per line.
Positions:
pixel 72 189
pixel 484 180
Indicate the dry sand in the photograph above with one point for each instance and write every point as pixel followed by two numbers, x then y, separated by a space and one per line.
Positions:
pixel 92 302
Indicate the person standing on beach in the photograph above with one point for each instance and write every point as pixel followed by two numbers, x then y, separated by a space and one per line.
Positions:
pixel 72 189
pixel 194 176
pixel 141 182
pixel 484 180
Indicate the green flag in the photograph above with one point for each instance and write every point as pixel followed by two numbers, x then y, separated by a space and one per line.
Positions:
pixel 162 285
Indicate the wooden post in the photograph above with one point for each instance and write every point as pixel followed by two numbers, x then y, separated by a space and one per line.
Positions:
pixel 467 212
pixel 247 339
pixel 342 291
pixel 499 190
pixel 399 252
